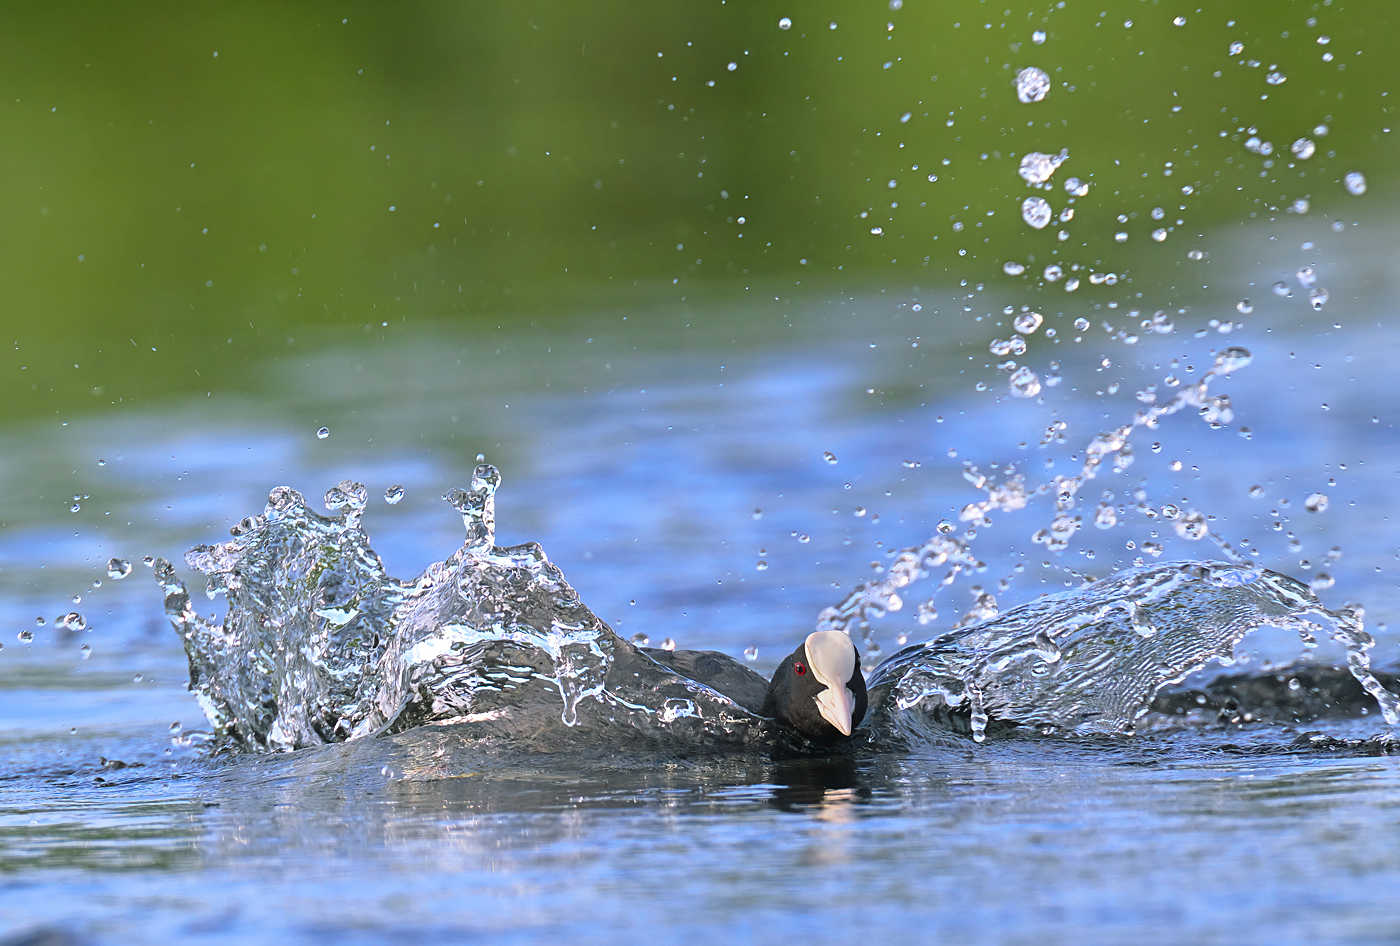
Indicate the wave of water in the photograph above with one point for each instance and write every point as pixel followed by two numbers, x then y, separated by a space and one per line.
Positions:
pixel 321 645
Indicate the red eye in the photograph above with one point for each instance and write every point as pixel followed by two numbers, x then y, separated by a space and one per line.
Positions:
pixel 798 668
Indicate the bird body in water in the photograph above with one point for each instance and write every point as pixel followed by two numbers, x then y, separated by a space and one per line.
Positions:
pixel 818 691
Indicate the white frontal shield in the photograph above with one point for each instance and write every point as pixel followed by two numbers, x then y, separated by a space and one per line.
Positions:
pixel 832 658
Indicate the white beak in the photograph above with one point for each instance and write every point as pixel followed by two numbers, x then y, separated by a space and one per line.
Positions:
pixel 837 704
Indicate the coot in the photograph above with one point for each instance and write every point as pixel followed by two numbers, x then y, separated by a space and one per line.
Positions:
pixel 817 691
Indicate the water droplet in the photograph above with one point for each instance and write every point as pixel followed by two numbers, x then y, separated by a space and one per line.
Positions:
pixel 118 568
pixel 1038 37
pixel 1036 212
pixel 1317 502
pixel 25 636
pixel 785 23
pixel 1232 359
pixel 750 653
pixel 1032 84
pixel 1037 167
pixel 86 651
pixel 1318 298
pixel 830 457
pixel 323 433
pixel 1256 492
pixel 346 494
pixel 762 566
pixel 1024 383
pixel 758 514
pixel 1074 187
pixel 1276 78
pixel 732 66
pixel 1355 183
pixel 1012 268
pixel 1303 149
pixel 1321 582
pixel 912 464
pixel 1053 272
pixel 1027 322
pixel 859 511
pixel 1159 234
pixel 393 494
pixel 1191 525
pixel 1081 324
pixel 1179 21
pixel 1236 48
pixel 74 508
pixel 804 538
pixel 668 644
pixel 1121 237
pixel 1300 206
pixel 641 640
pixel 1195 255
pixel 1105 516
pixel 1280 288
pixel 1306 277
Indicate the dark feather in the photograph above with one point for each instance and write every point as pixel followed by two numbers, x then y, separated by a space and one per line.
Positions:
pixel 718 672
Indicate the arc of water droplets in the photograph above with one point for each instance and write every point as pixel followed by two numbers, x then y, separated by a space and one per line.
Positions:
pixel 875 598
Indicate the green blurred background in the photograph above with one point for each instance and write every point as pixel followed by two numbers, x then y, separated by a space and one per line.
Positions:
pixel 190 189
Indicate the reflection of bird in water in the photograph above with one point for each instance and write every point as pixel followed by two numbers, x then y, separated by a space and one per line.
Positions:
pixel 817 691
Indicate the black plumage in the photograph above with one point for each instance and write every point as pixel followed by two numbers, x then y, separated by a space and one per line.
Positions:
pixel 717 671
pixel 796 697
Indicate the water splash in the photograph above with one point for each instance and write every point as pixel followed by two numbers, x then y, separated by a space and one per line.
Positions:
pixel 1092 660
pixel 873 599
pixel 320 645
